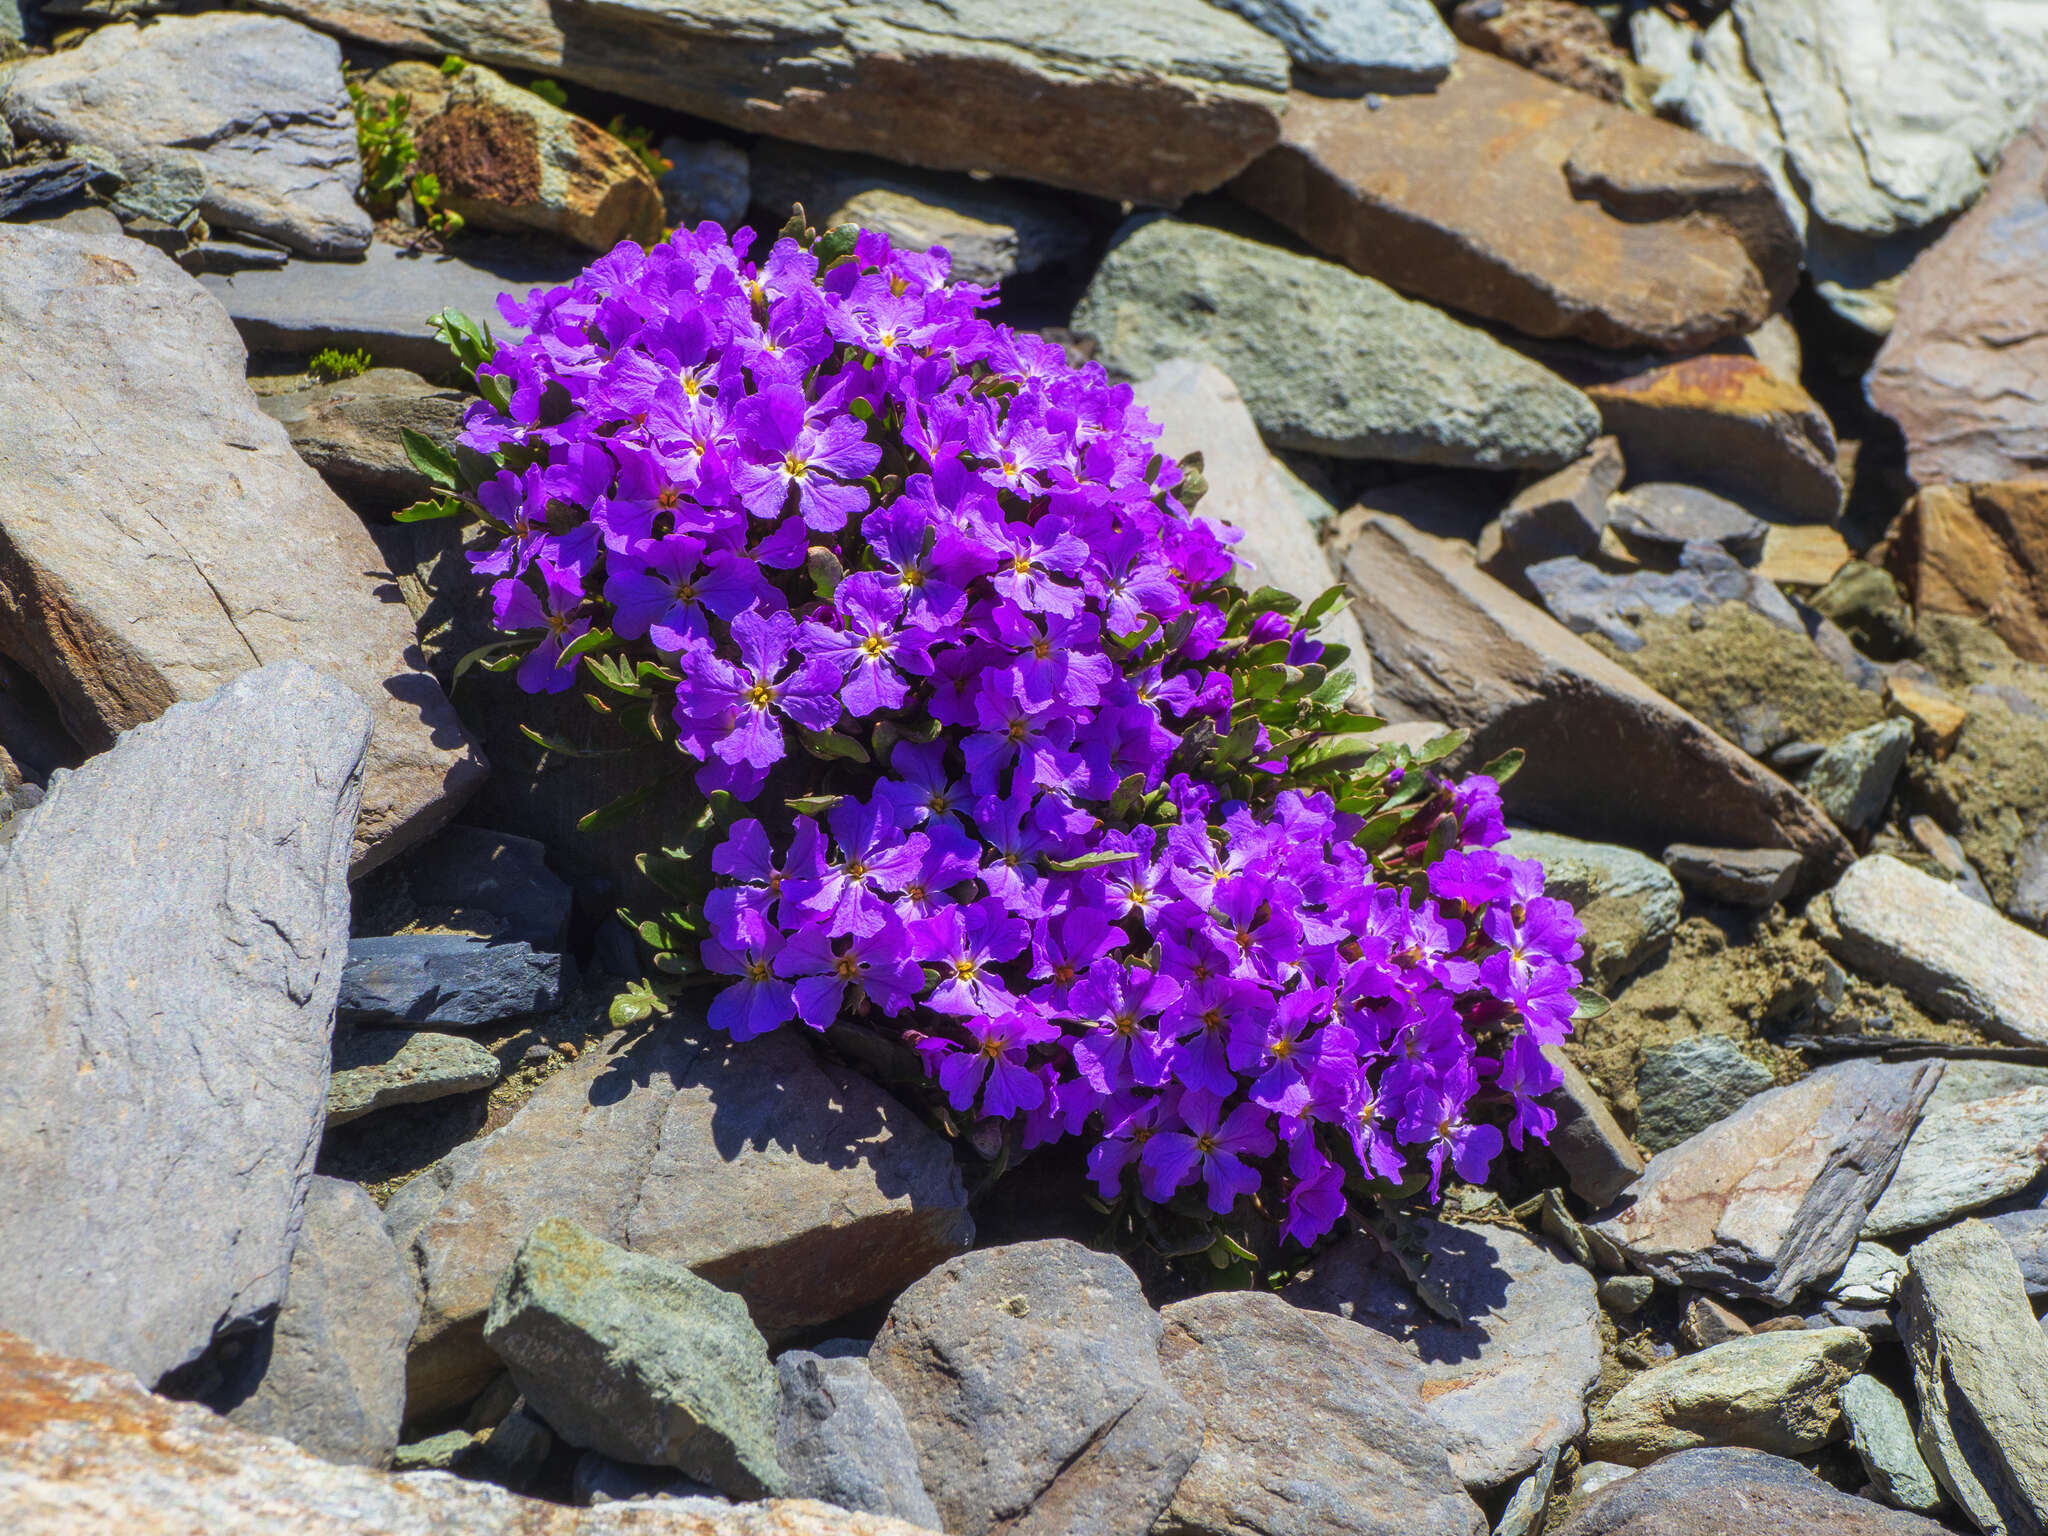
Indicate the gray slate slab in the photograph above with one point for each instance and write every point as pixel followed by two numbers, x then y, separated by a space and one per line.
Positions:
pixel 377 1068
pixel 1963 1156
pixel 454 980
pixel 1722 1492
pixel 1378 44
pixel 841 1438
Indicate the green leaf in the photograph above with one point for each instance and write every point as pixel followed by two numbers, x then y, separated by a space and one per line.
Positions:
pixel 825 572
pixel 1329 751
pixel 495 657
pixel 1320 609
pixel 587 643
pixel 430 459
pixel 1506 766
pixel 427 511
pixel 551 92
pixel 836 243
pixel 567 748
pixel 1437 748
pixel 1090 861
pixel 813 805
pixel 1587 1004
pixel 830 745
pixel 497 389
pixel 1273 600
pixel 612 812
pixel 1348 724
pixel 1337 687
pixel 616 673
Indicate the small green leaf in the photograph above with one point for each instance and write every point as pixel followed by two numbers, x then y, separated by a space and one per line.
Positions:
pixel 836 243
pixel 612 812
pixel 430 459
pixel 497 389
pixel 1437 748
pixel 1337 687
pixel 433 508
pixel 567 748
pixel 813 805
pixel 830 745
pixel 1090 861
pixel 1320 609
pixel 1273 600
pixel 586 643
pixel 825 572
pixel 495 657
pixel 1587 1004
pixel 1506 766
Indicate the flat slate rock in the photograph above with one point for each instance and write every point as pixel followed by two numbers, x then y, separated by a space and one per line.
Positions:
pixel 1596 1154
pixel 1149 100
pixel 1628 902
pixel 83 1449
pixel 1314 1427
pixel 842 1440
pixel 1733 1493
pixel 453 980
pixel 251 110
pixel 1685 1086
pixel 328 1372
pixel 1591 600
pixel 377 1068
pixel 160 537
pixel 1769 1200
pixel 1963 1156
pixel 350 431
pixel 1608 757
pixel 1883 1438
pixel 1365 374
pixel 173 919
pixel 381 304
pixel 44 181
pixel 1581 219
pixel 1754 878
pixel 1507 1385
pixel 1370 44
pixel 499 879
pixel 1955 957
pixel 802 1187
pixel 1030 1378
pixel 1667 517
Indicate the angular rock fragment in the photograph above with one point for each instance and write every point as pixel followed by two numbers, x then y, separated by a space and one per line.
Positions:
pixel 639 1359
pixel 1853 778
pixel 377 1068
pixel 1779 1392
pixel 173 918
pixel 1755 878
pixel 841 1438
pixel 1557 39
pixel 1963 1156
pixel 1581 219
pixel 1684 1087
pixel 1563 513
pixel 1314 1427
pixel 706 179
pixel 1770 1199
pixel 158 535
pixel 1628 903
pixel 1661 518
pixel 350 431
pixel 1980 551
pixel 498 882
pixel 1588 600
pixel 1031 1381
pixel 1367 374
pixel 1366 44
pixel 1596 1155
pixel 452 980
pixel 1720 1492
pixel 1883 1438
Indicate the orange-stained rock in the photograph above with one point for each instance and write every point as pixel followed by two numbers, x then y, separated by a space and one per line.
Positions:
pixel 1939 718
pixel 1802 554
pixel 1560 39
pixel 1516 199
pixel 1731 424
pixel 1980 551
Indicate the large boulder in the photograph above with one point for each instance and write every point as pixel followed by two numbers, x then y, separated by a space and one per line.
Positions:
pixel 1328 361
pixel 173 919
pixel 84 1450
pixel 1150 100
pixel 1607 756
pixel 158 535
pixel 1581 219
pixel 802 1187
pixel 249 112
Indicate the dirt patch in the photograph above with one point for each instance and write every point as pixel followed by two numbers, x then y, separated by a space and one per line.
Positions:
pixel 483 156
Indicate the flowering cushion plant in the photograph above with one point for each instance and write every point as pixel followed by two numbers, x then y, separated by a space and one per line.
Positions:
pixel 996 762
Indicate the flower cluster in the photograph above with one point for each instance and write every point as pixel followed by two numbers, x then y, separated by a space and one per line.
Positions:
pixel 994 757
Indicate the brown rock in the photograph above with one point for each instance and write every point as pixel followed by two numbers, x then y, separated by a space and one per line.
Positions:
pixel 85 1451
pixel 1558 39
pixel 1607 757
pixel 802 1187
pixel 1802 554
pixel 158 535
pixel 1580 219
pixel 1938 719
pixel 1980 551
pixel 1964 372
pixel 1708 1323
pixel 1731 424
pixel 509 160
pixel 349 431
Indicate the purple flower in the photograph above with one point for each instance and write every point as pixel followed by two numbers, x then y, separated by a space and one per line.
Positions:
pixel 668 590
pixel 870 855
pixel 794 448
pixel 876 964
pixel 1213 1146
pixel 733 709
pixel 871 647
pixel 758 1002
pixel 1435 1114
pixel 999 1053
pixel 967 943
pixel 1124 1047
pixel 515 605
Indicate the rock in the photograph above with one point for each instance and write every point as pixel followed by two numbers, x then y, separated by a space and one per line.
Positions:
pixel 1980 551
pixel 1366 374
pixel 1198 409
pixel 377 1068
pixel 1608 757
pixel 1508 1384
pixel 328 1373
pixel 1626 1294
pixel 513 1453
pixel 255 104
pixel 841 1439
pixel 1939 719
pixel 510 160
pixel 349 431
pixel 1595 1153
pixel 1157 100
pixel 1853 779
pixel 1777 1392
pixel 1526 1507
pixel 706 179
pixel 1802 555
pixel 1314 1425
pixel 494 883
pixel 1557 39
pixel 804 1189
pixel 1868 606
pixel 1667 517
pixel 600 1480
pixel 83 1448
pixel 2026 1234
pixel 1628 903
pixel 1963 1156
pixel 437 1453
pixel 992 230
pixel 1368 44
pixel 1753 878
pixel 161 537
pixel 1964 372
pixel 1030 1378
pixel 1770 1199
pixel 1590 601
pixel 1708 1323
pixel 381 305
pixel 1563 513
pixel 450 979
pixel 1980 1371
pixel 639 1359
pixel 1581 220
pixel 1684 1087
pixel 1883 1438
pixel 1950 955
pixel 47 181
pixel 1732 425
pixel 1725 1492
pixel 173 918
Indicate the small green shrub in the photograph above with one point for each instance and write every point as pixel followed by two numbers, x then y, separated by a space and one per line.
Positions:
pixel 389 154
pixel 331 363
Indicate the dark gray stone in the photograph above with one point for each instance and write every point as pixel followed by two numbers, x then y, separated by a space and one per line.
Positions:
pixel 1753 878
pixel 1376 44
pixel 42 181
pixel 639 1359
pixel 1563 513
pixel 1962 1156
pixel 841 1439
pixel 377 1068
pixel 173 920
pixel 505 874
pixel 1588 600
pixel 1853 778
pixel 1728 1492
pixel 597 1479
pixel 1315 1427
pixel 1031 1382
pixel 328 1373
pixel 1684 1087
pixel 349 431
pixel 455 980
pixel 1665 516
pixel 2026 1234
pixel 1595 1153
pixel 707 179
pixel 1882 1435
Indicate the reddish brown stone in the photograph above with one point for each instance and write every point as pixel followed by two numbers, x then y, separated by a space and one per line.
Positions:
pixel 1980 551
pixel 1510 197
pixel 1728 423
pixel 1559 39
